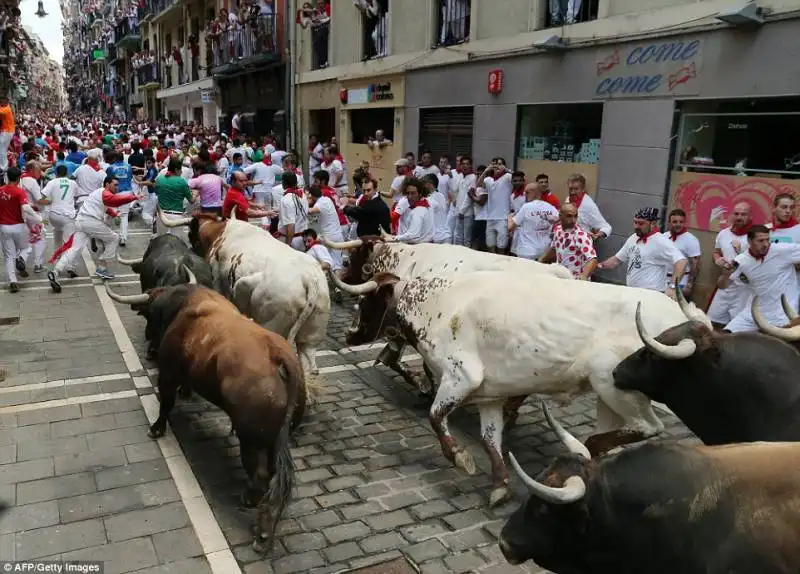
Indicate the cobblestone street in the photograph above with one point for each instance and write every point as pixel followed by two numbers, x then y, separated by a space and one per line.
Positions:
pixel 86 482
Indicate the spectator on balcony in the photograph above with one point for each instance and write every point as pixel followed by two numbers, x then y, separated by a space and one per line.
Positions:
pixel 7 128
pixel 455 19
pixel 177 58
pixel 375 20
pixel 564 11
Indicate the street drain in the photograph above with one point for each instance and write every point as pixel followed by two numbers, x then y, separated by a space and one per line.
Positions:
pixel 9 321
pixel 396 566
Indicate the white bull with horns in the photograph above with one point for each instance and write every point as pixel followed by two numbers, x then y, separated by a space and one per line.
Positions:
pixel 561 339
pixel 280 288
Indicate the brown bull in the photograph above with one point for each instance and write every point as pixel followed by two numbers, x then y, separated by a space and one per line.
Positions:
pixel 254 375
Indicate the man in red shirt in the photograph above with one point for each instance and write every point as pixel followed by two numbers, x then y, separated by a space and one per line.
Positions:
pixel 235 198
pixel 543 182
pixel 14 210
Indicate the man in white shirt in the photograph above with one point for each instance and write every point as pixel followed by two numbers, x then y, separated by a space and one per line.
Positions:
pixel 784 227
pixel 416 221
pixel 401 174
pixel 328 217
pixel 689 245
pixel 730 296
pixel 646 253
pixel 59 196
pixel 439 208
pixel 768 271
pixel 315 152
pixel 293 213
pixel 426 165
pixel 465 211
pixel 89 176
pixel 498 187
pixel 532 225
pixel 37 241
pixel 262 174
pixel 335 170
pixel 589 216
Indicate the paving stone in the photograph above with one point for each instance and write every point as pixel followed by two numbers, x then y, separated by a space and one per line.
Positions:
pixel 375 559
pixel 49 415
pixel 336 499
pixel 431 508
pixel 177 545
pixel 117 500
pixel 401 500
pixel 59 539
pixel 342 552
pixel 355 511
pixel 382 542
pixel 469 561
pixel 52 447
pixel 29 517
pixel 389 520
pixel 189 566
pixel 118 437
pixel 91 460
pixel 426 551
pixel 26 471
pixel 136 473
pixel 145 522
pixel 345 532
pixel 142 451
pixel 110 406
pixel 320 520
pixel 303 542
pixel 464 539
pixel 342 482
pixel 118 557
pixel 54 488
pixel 76 427
pixel 423 531
pixel 466 519
pixel 298 562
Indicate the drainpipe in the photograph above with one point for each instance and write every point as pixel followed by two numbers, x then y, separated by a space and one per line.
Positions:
pixel 290 67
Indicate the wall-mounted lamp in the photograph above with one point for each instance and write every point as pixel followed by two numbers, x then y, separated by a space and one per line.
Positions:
pixel 745 14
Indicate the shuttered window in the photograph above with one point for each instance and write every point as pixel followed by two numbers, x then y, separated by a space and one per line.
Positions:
pixel 446 131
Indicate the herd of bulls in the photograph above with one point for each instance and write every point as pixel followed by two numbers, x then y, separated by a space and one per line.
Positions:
pixel 237 318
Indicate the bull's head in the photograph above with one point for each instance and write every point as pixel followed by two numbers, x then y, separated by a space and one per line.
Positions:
pixel 134 264
pixel 362 255
pixel 376 307
pixel 140 301
pixel 790 333
pixel 666 358
pixel 550 527
pixel 200 237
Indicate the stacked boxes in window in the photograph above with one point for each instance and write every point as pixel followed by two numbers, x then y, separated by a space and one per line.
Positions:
pixel 531 147
pixel 590 152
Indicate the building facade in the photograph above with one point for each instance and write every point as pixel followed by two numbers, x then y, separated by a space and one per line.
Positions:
pixel 652 88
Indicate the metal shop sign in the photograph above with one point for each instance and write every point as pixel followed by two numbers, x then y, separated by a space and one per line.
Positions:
pixel 647 70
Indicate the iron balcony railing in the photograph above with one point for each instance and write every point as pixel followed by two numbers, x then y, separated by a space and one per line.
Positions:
pixel 148 74
pixel 565 12
pixel 376 34
pixel 453 22
pixel 256 37
pixel 320 42
pixel 129 26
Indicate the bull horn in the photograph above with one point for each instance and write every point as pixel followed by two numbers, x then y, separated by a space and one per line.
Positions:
pixel 573 444
pixel 129 262
pixel 342 245
pixel 386 237
pixel 173 222
pixel 788 334
pixel 790 313
pixel 190 275
pixel 128 299
pixel 682 350
pixel 362 289
pixel 573 490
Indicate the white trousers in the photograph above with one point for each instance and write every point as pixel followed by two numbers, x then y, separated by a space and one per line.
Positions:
pixel 35 249
pixel 14 238
pixel 124 212
pixel 728 303
pixel 5 141
pixel 497 233
pixel 149 210
pixel 63 227
pixel 85 229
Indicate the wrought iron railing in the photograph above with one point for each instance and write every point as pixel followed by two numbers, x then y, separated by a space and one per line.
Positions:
pixel 320 45
pixel 565 12
pixel 453 22
pixel 258 36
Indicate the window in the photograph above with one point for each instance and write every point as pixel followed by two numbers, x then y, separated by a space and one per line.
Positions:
pixel 740 137
pixel 364 124
pixel 446 131
pixel 454 20
pixel 375 28
pixel 561 132
pixel 564 12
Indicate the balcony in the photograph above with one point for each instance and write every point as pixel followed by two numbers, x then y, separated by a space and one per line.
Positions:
pixel 320 43
pixel 148 77
pixel 98 56
pixel 375 27
pixel 453 22
pixel 160 7
pixel 566 12
pixel 127 33
pixel 254 43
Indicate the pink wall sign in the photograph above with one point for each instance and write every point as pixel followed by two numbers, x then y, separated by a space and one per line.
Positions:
pixel 708 199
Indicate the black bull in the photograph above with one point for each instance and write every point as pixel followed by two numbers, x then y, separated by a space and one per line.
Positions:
pixel 661 509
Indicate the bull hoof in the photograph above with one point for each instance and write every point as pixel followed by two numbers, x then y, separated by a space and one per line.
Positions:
pixel 465 462
pixel 424 385
pixel 498 496
pixel 185 392
pixel 246 500
pixel 259 547
pixel 156 432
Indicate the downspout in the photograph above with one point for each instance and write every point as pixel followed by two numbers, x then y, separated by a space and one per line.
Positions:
pixel 289 67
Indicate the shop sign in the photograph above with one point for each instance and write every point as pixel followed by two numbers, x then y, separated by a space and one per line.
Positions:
pixel 495 81
pixel 374 93
pixel 649 70
pixel 206 96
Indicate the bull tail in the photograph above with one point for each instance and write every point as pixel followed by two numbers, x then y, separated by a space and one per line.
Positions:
pixel 305 314
pixel 282 482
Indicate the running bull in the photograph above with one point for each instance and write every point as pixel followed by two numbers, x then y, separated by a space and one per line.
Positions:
pixel 162 265
pixel 661 509
pixel 562 339
pixel 726 387
pixel 370 254
pixel 254 375
pixel 281 289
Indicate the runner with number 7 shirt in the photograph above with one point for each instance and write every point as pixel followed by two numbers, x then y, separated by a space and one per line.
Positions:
pixel 59 197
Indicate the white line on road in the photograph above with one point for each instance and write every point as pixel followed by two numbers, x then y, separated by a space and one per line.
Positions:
pixel 66 402
pixel 63 382
pixel 66 280
pixel 215 546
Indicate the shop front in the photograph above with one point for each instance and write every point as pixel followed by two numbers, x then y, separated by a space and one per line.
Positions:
pixel 318 113
pixel 197 104
pixel 367 107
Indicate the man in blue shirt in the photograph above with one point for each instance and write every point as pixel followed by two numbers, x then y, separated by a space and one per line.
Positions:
pixel 235 166
pixel 60 160
pixel 124 174
pixel 74 155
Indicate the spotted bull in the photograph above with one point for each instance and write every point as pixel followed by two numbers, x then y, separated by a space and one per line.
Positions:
pixel 661 509
pixel 560 338
pixel 254 375
pixel 281 289
pixel 726 387
pixel 370 254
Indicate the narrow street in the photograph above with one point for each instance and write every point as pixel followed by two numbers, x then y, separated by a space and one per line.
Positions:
pixel 86 483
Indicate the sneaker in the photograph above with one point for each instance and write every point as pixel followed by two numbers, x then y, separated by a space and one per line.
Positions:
pixel 54 284
pixel 38 268
pixel 13 287
pixel 71 274
pixel 23 272
pixel 104 273
pixel 94 245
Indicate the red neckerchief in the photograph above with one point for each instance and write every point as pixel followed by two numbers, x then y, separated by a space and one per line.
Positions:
pixel 644 238
pixel 298 171
pixel 785 225
pixel 326 163
pixel 340 158
pixel 421 203
pixel 295 190
pixel 313 243
pixel 579 200
pixel 94 166
pixel 674 235
pixel 361 200
pixel 328 191
pixel 27 174
pixel 756 257
pixel 267 159
pixel 739 231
